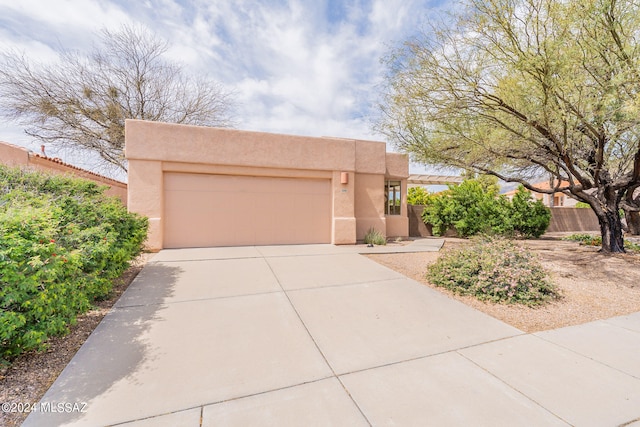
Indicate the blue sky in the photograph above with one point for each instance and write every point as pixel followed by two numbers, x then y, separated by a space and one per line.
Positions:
pixel 308 67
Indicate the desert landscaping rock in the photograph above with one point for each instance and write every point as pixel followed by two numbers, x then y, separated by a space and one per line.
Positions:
pixel 593 286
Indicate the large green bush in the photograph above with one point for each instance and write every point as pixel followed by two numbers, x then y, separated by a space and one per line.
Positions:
pixel 418 196
pixel 496 270
pixel 528 217
pixel 475 208
pixel 62 242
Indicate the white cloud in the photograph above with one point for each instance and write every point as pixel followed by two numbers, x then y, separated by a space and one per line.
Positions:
pixel 295 66
pixel 35 48
pixel 300 74
pixel 67 15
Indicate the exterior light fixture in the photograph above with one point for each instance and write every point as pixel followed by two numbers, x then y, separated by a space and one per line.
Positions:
pixel 344 177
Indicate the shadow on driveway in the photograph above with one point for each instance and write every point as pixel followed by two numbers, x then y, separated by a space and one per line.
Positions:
pixel 113 352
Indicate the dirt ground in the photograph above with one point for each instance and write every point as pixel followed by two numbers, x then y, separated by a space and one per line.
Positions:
pixel 594 286
pixel 29 377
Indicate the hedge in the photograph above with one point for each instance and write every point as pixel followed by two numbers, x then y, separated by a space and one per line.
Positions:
pixel 471 208
pixel 62 242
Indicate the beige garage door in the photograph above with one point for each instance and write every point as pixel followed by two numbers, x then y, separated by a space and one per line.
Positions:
pixel 222 210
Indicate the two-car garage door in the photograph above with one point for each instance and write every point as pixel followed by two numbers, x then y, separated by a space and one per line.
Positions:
pixel 227 210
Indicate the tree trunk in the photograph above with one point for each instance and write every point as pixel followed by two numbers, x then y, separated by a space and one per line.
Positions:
pixel 611 229
pixel 633 222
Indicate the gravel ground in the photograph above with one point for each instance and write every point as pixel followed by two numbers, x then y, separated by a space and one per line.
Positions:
pixel 593 286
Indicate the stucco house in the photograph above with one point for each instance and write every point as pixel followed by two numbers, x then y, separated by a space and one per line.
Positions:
pixel 557 200
pixel 203 186
pixel 13 155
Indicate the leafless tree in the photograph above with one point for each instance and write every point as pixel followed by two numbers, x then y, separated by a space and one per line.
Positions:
pixel 82 100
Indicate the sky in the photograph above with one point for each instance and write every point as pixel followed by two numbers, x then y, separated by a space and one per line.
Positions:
pixel 300 67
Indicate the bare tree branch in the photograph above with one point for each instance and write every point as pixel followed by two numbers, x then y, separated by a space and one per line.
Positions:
pixel 516 86
pixel 84 100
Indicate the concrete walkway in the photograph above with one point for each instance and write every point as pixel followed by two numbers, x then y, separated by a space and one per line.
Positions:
pixel 319 335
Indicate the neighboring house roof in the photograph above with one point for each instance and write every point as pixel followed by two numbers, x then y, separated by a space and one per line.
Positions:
pixel 17 155
pixel 542 185
pixel 80 171
pixel 14 155
pixel 545 185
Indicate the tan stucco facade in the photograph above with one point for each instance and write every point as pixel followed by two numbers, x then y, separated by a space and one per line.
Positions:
pixel 354 172
pixel 13 155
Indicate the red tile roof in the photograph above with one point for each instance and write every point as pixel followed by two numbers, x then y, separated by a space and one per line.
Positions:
pixel 59 161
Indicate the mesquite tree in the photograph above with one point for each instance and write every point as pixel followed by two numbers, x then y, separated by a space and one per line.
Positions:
pixel 521 89
pixel 631 207
pixel 82 100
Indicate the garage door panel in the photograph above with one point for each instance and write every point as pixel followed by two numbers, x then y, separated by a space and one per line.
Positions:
pixel 189 217
pixel 219 210
pixel 314 206
pixel 236 211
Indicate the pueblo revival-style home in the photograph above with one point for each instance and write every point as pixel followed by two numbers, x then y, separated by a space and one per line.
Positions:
pixel 203 186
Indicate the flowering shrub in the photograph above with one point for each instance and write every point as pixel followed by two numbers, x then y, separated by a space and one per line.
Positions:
pixel 495 270
pixel 62 242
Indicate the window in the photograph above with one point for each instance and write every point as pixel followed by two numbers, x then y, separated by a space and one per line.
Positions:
pixel 392 197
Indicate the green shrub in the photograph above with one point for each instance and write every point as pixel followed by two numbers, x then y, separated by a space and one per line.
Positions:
pixel 495 270
pixel 473 208
pixel 630 246
pixel 418 196
pixel 440 213
pixel 590 240
pixel 584 238
pixel 529 217
pixel 62 242
pixel 374 237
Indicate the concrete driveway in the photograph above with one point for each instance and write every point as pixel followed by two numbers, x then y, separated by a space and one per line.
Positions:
pixel 319 335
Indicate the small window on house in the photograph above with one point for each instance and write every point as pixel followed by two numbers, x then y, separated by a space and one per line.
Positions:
pixel 392 197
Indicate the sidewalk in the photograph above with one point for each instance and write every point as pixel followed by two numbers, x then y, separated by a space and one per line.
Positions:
pixel 319 335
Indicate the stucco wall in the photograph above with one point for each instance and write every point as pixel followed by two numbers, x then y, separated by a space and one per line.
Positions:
pixel 573 219
pixel 369 206
pixel 397 167
pixel 153 149
pixel 417 227
pixel 206 145
pixel 13 155
pixel 145 181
